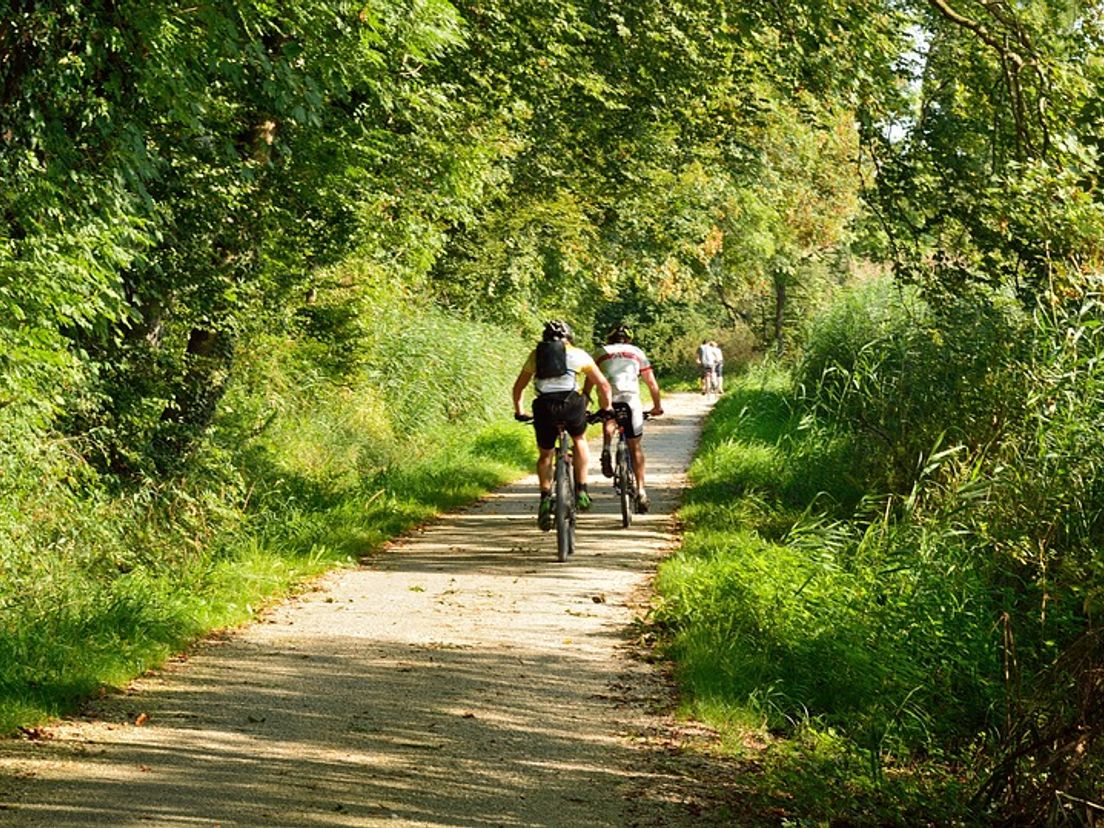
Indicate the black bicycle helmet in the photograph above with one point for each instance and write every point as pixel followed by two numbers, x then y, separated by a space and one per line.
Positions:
pixel 557 329
pixel 619 333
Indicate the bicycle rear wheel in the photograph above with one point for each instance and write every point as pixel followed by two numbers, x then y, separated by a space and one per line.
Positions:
pixel 624 485
pixel 565 520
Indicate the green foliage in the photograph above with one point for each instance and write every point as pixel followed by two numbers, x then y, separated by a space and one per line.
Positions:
pixel 855 631
pixel 220 155
pixel 949 575
pixel 989 177
pixel 176 341
pixel 910 377
pixel 311 464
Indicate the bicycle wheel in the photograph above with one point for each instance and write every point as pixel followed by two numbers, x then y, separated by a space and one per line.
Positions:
pixel 565 519
pixel 572 514
pixel 572 504
pixel 624 485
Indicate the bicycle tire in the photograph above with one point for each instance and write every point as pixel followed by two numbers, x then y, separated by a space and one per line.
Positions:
pixel 624 485
pixel 572 505
pixel 571 523
pixel 564 527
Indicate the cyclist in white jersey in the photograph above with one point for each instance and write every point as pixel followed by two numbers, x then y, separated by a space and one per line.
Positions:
pixel 624 366
pixel 718 365
pixel 707 359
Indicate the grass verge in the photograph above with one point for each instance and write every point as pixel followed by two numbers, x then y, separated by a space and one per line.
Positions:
pixel 780 630
pixel 96 621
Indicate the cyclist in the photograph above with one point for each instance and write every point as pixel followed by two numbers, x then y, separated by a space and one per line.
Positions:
pixel 707 359
pixel 554 367
pixel 624 365
pixel 718 366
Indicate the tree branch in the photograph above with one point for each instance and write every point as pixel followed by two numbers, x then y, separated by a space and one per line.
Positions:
pixel 977 28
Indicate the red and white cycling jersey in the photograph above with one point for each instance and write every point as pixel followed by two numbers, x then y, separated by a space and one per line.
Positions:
pixel 622 364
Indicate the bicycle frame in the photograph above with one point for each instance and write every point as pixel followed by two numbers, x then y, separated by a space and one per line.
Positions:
pixel 711 384
pixel 563 492
pixel 624 476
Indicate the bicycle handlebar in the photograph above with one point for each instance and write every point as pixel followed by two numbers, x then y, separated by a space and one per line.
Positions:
pixel 598 416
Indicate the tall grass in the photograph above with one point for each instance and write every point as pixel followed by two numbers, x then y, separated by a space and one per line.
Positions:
pixel 368 414
pixel 787 617
pixel 894 561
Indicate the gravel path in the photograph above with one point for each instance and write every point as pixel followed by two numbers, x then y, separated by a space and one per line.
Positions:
pixel 462 677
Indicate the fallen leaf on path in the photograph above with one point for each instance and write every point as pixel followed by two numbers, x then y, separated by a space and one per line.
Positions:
pixel 141 719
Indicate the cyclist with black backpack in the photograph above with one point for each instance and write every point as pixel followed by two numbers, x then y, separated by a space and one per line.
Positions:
pixel 554 367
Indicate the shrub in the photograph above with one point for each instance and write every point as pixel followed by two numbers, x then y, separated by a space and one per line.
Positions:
pixel 910 374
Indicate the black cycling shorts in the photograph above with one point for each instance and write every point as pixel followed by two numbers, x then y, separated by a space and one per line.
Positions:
pixel 623 413
pixel 567 407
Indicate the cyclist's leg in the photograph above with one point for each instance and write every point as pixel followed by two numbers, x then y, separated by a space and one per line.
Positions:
pixel 609 429
pixel 544 469
pixel 546 431
pixel 637 449
pixel 574 417
pixel 582 460
pixel 634 432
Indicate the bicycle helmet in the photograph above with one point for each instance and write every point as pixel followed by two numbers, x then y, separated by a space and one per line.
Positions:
pixel 557 329
pixel 619 333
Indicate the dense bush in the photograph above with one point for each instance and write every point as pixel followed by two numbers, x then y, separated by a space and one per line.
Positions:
pixel 911 375
pixel 905 550
pixel 996 416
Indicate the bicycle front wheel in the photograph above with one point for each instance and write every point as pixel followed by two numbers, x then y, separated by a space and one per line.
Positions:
pixel 565 524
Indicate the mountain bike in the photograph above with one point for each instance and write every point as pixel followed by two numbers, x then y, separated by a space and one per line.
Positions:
pixel 563 493
pixel 624 475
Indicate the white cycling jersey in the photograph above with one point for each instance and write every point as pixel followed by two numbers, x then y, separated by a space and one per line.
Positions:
pixel 623 365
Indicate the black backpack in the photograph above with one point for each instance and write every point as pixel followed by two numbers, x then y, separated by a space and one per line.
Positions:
pixel 551 359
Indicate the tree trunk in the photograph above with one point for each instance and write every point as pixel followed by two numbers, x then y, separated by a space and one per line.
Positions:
pixel 207 362
pixel 779 314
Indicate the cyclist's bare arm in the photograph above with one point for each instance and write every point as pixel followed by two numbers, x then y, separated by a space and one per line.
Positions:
pixel 519 388
pixel 653 388
pixel 588 386
pixel 596 379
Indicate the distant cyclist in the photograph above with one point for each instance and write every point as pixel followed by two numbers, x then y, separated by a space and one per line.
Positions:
pixel 624 365
pixel 554 367
pixel 707 359
pixel 718 366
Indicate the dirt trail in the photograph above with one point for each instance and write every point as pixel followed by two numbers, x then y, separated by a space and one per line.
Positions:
pixel 462 678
